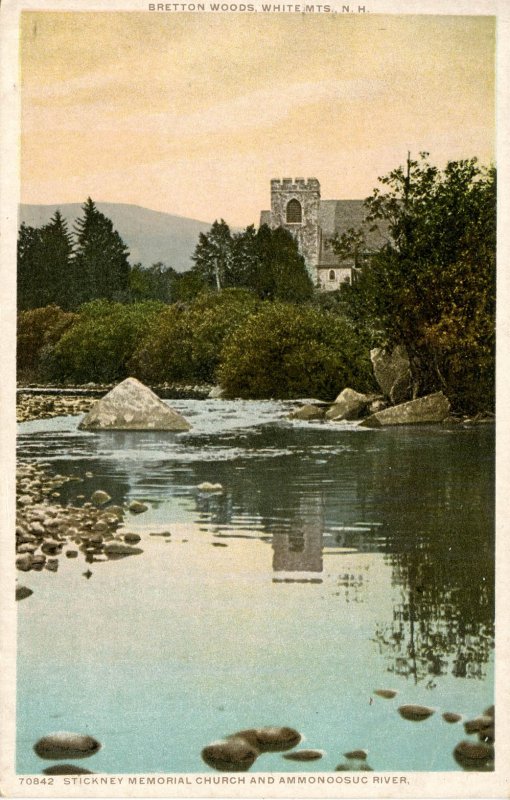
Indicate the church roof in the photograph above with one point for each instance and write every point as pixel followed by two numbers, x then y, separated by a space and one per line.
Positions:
pixel 336 217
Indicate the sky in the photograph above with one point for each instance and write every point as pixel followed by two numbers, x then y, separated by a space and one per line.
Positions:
pixel 193 114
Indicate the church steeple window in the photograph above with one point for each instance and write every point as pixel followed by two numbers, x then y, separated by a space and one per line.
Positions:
pixel 294 213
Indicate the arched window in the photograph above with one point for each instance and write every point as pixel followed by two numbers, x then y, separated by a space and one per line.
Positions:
pixel 332 275
pixel 294 211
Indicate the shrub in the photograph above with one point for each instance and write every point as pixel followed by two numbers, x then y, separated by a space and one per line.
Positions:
pixel 39 330
pixel 185 343
pixel 288 351
pixel 102 340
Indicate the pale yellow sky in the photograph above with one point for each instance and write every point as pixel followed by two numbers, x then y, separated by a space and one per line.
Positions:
pixel 193 114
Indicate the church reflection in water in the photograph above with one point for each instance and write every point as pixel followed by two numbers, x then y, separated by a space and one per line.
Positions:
pixel 299 549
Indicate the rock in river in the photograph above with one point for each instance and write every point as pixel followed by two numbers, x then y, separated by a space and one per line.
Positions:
pixel 133 406
pixel 348 405
pixel 99 498
pixel 388 694
pixel 307 412
pixel 415 713
pixel 356 754
pixel 230 755
pixel 451 717
pixel 60 745
pixel 136 507
pixel 270 739
pixel 66 769
pixel 22 592
pixel 304 755
pixel 473 755
pixel 119 549
pixel 429 409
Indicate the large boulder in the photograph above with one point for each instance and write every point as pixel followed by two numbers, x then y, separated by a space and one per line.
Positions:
pixel 431 408
pixel 349 405
pixel 131 406
pixel 392 372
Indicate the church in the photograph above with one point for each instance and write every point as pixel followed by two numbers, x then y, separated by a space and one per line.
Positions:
pixel 297 206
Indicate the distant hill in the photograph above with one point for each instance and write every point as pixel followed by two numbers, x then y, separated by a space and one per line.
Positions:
pixel 151 236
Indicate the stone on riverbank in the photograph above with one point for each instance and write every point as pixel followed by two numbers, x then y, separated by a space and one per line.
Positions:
pixel 270 739
pixel 429 409
pixel 230 755
pixel 307 413
pixel 392 371
pixel 133 406
pixel 136 507
pixel 349 405
pixel 99 498
pixel 66 745
pixel 22 592
pixel 415 713
pixel 304 755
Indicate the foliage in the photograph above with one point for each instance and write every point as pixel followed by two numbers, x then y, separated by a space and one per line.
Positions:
pixel 101 341
pixel 39 329
pixel 433 287
pixel 44 264
pixel 155 283
pixel 265 261
pixel 185 343
pixel 100 266
pixel 287 351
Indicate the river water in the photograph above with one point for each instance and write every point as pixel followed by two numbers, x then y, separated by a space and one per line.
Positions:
pixel 336 561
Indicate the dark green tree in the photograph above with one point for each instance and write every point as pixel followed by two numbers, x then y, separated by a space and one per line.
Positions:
pixel 44 264
pixel 432 288
pixel 154 283
pixel 101 266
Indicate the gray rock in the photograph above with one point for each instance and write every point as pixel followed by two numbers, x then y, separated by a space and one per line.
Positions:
pixel 304 755
pixel 99 498
pixel 451 717
pixel 429 409
pixel 66 769
pixel 230 755
pixel 270 739
pixel 415 713
pixel 216 393
pixel 392 372
pixel 119 550
pixel 131 538
pixel 348 405
pixel 60 745
pixel 22 592
pixel 24 562
pixel 137 508
pixel 307 413
pixel 133 406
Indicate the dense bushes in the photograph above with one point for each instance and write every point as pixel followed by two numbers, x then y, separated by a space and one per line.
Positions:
pixel 101 341
pixel 38 331
pixel 185 343
pixel 288 351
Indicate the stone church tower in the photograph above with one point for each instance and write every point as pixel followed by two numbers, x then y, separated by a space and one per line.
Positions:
pixel 295 205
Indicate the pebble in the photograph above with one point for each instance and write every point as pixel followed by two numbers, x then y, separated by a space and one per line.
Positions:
pixel 119 550
pixel 450 716
pixel 415 713
pixel 137 508
pixel 66 769
pixel 66 745
pixel 131 538
pixel 356 754
pixel 27 547
pixel 24 562
pixel 478 724
pixel 99 498
pixel 270 739
pixel 304 755
pixel 72 553
pixel 388 694
pixel 52 564
pixel 22 592
pixel 230 755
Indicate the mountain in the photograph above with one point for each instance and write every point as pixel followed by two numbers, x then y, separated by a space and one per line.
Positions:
pixel 151 236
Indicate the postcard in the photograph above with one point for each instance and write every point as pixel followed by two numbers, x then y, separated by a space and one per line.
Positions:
pixel 254 508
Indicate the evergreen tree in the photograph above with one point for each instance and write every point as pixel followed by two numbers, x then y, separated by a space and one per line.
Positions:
pixel 44 264
pixel 101 267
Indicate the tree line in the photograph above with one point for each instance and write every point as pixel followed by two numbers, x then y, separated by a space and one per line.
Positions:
pixel 68 268
pixel 431 288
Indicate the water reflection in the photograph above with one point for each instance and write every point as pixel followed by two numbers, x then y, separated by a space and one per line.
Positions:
pixel 422 497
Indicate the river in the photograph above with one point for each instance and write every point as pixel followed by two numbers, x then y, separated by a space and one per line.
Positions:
pixel 336 561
